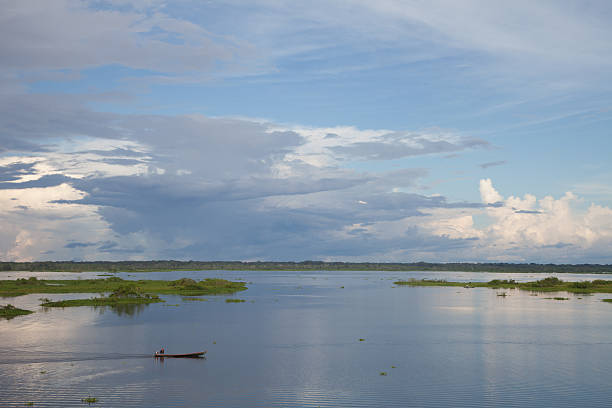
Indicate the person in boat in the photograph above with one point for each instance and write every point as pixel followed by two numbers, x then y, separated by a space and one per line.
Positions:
pixel 161 351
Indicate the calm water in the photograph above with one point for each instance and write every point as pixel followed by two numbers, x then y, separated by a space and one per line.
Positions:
pixel 296 342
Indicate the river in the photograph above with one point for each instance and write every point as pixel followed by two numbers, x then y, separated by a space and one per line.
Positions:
pixel 314 339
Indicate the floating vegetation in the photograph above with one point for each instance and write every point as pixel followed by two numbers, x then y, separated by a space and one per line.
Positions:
pixel 29 404
pixel 235 300
pixel 184 286
pixel 607 300
pixel 89 400
pixel 549 284
pixel 361 339
pixel 194 299
pixel 556 298
pixel 10 311
pixel 384 373
pixel 393 367
pixel 502 294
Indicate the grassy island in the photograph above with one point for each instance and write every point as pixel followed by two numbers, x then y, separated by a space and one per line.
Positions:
pixel 124 295
pixel 10 311
pixel 550 284
pixel 184 286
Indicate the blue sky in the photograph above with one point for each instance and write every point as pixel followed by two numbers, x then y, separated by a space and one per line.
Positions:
pixel 278 130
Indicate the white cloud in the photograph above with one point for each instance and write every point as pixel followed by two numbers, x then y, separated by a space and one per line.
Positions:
pixel 488 194
pixel 523 229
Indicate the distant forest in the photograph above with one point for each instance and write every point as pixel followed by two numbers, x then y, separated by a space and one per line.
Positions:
pixel 148 266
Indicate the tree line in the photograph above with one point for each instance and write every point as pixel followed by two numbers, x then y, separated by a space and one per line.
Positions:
pixel 168 265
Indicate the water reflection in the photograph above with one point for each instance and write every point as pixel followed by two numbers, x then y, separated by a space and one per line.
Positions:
pixel 133 309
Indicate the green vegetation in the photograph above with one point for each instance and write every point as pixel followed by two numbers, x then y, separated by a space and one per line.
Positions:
pixel 89 400
pixel 169 265
pixel 125 294
pixel 607 300
pixel 550 284
pixel 10 311
pixel 235 300
pixel 383 373
pixel 184 286
pixel 194 299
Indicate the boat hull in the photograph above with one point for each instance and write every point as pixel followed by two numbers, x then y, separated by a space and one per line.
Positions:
pixel 188 355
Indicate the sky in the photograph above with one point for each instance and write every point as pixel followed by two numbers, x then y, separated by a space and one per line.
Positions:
pixel 361 131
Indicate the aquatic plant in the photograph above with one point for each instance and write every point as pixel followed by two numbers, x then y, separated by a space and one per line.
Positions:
pixel 89 400
pixel 235 300
pixel 10 311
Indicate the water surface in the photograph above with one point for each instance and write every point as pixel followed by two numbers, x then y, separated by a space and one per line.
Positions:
pixel 296 342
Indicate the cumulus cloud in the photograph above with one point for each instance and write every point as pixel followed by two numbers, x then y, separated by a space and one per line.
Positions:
pixel 488 194
pixel 528 228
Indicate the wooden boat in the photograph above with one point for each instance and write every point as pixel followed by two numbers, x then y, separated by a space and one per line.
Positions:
pixel 188 355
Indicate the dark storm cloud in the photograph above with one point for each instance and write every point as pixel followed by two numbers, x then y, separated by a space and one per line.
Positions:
pixel 45 181
pixel 397 145
pixel 15 171
pixel 29 122
pixel 72 245
pixel 212 188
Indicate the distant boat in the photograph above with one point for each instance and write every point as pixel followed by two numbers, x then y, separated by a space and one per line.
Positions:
pixel 188 355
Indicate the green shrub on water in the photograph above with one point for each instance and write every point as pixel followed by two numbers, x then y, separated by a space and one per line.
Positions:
pixel 235 300
pixel 89 400
pixel 32 280
pixel 546 282
pixel 10 311
pixel 500 282
pixel 186 283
